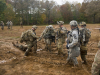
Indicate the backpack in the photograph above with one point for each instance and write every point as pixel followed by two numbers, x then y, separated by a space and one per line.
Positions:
pixel 25 36
pixel 87 35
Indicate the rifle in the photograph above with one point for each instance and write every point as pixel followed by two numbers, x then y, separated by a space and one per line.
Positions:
pixel 37 40
pixel 67 39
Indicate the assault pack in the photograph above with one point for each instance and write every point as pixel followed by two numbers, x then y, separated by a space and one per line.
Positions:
pixel 85 38
pixel 26 36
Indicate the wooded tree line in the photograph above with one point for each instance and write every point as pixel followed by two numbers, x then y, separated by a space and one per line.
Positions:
pixel 48 12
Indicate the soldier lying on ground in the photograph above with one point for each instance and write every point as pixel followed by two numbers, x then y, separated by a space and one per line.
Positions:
pixel 21 47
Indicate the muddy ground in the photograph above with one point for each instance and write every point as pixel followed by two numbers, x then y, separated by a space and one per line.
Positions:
pixel 13 61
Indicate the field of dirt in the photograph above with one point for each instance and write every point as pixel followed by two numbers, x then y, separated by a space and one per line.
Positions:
pixel 13 61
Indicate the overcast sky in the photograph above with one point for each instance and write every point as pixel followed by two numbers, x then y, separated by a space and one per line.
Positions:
pixel 60 2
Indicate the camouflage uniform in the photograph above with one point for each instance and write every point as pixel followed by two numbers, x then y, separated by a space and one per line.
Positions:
pixel 29 37
pixel 2 25
pixel 21 24
pixel 11 24
pixel 95 70
pixel 8 24
pixel 21 47
pixel 83 42
pixel 73 45
pixel 60 37
pixel 49 35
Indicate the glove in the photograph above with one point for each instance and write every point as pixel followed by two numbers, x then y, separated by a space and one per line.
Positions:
pixel 68 32
pixel 67 47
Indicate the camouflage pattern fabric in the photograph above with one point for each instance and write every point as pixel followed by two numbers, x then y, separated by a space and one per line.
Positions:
pixel 8 24
pixel 48 44
pixel 85 35
pixel 11 24
pixel 49 35
pixel 29 38
pixel 29 46
pixel 21 47
pixel 28 35
pixel 2 25
pixel 60 22
pixel 95 70
pixel 83 52
pixel 60 38
pixel 74 49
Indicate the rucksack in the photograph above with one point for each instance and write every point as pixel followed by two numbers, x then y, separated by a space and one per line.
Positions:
pixel 87 35
pixel 24 36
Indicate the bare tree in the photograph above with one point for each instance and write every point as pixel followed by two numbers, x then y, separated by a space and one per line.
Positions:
pixel 92 9
pixel 48 5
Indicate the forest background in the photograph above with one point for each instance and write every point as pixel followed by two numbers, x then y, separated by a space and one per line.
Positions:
pixel 48 12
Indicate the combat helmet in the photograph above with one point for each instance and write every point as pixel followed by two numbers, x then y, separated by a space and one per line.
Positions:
pixel 82 23
pixel 50 26
pixel 35 27
pixel 73 23
pixel 60 22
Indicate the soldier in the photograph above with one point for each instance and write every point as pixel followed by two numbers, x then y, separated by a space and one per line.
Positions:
pixel 85 34
pixel 2 25
pixel 60 37
pixel 73 45
pixel 8 24
pixel 21 24
pixel 29 37
pixel 49 35
pixel 11 24
pixel 95 70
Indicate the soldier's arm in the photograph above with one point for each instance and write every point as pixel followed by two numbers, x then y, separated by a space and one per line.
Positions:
pixel 75 39
pixel 83 35
pixel 63 30
pixel 33 35
pixel 95 70
pixel 44 32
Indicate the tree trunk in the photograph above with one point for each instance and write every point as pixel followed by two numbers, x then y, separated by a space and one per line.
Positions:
pixel 94 18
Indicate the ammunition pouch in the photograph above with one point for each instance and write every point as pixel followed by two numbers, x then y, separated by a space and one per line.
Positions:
pixel 83 50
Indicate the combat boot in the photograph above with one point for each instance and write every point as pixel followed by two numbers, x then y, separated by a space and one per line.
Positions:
pixel 13 44
pixel 26 53
pixel 76 65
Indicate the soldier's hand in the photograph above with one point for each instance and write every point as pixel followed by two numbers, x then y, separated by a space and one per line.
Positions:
pixel 67 47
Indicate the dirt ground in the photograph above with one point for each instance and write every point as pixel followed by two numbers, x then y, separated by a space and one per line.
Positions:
pixel 13 61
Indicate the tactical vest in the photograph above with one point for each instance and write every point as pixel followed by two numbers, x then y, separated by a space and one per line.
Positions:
pixel 49 34
pixel 60 35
